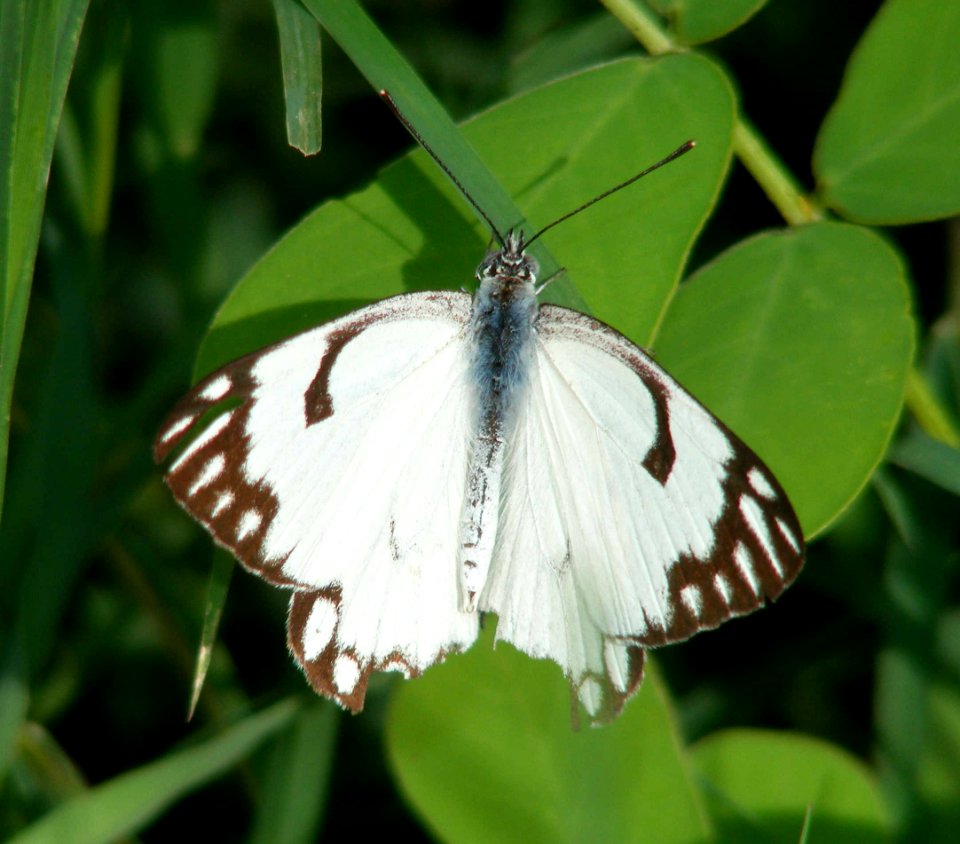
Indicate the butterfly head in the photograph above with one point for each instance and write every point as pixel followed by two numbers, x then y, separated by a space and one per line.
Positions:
pixel 510 264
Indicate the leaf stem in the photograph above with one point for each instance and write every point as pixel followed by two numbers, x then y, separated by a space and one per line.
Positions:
pixel 777 182
pixel 644 25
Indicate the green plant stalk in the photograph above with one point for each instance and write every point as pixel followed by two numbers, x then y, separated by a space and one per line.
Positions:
pixel 778 183
pixel 643 24
pixel 781 188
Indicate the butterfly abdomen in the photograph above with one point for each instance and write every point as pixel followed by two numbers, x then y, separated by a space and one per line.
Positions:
pixel 501 334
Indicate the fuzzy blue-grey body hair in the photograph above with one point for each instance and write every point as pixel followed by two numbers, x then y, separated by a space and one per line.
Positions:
pixel 504 312
pixel 502 349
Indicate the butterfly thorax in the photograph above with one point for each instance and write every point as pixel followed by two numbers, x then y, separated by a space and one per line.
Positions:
pixel 501 327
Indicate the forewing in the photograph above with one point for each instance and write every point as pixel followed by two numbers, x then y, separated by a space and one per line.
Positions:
pixel 631 518
pixel 339 473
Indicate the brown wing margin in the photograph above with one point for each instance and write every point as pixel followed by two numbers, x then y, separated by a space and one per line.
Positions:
pixel 208 478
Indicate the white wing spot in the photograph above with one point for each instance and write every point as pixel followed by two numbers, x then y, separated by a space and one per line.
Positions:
pixel 224 500
pixel 744 560
pixel 591 695
pixel 760 484
pixel 690 595
pixel 787 534
pixel 211 431
pixel 209 474
pixel 617 661
pixel 722 586
pixel 346 672
pixel 249 522
pixel 181 424
pixel 753 515
pixel 216 389
pixel 319 628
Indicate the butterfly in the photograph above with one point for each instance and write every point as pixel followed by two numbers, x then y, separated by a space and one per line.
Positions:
pixel 433 457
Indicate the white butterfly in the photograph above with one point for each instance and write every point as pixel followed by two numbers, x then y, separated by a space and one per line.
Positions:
pixel 430 458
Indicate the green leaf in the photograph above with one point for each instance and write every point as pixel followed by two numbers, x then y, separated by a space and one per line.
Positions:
pixel 86 148
pixel 410 230
pixel 505 719
pixel 178 58
pixel 14 699
pixel 917 575
pixel 129 802
pixel 696 21
pixel 938 765
pixel 302 74
pixel 888 151
pixel 801 342
pixel 930 459
pixel 297 777
pixel 760 784
pixel 385 69
pixel 585 42
pixel 38 43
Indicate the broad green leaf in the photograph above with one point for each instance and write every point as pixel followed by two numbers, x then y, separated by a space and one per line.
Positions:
pixel 302 74
pixel 696 21
pixel 760 786
pixel 801 341
pixel 129 802
pixel 483 749
pixel 38 44
pixel 410 230
pixel 888 151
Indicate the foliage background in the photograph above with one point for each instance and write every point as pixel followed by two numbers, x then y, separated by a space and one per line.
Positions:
pixel 171 177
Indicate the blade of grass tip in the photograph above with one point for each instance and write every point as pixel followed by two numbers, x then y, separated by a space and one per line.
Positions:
pixel 805 830
pixel 302 74
pixel 38 43
pixel 220 573
pixel 385 69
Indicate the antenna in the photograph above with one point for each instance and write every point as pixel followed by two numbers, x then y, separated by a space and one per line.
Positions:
pixel 683 149
pixel 389 100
